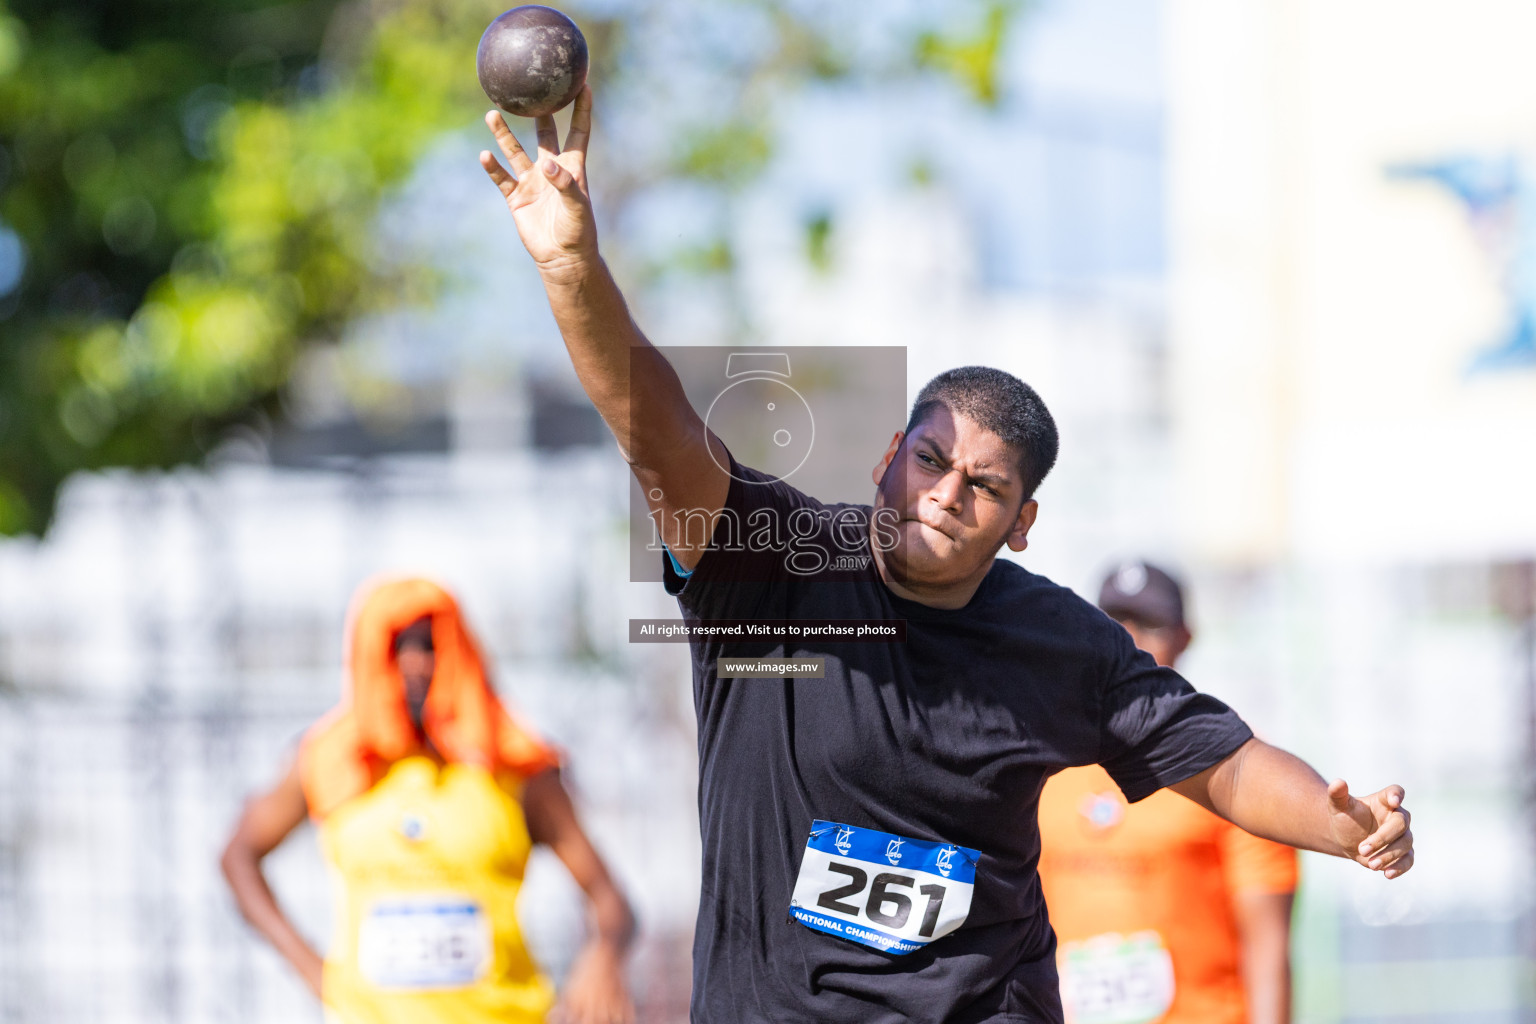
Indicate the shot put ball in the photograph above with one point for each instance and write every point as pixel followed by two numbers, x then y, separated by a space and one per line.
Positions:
pixel 532 61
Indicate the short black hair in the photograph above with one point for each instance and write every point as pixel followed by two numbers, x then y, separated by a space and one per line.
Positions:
pixel 1000 403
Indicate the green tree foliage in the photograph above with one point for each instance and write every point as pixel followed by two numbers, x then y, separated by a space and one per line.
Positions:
pixel 187 187
pixel 973 59
pixel 192 184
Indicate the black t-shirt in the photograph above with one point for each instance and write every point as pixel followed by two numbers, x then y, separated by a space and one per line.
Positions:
pixel 948 737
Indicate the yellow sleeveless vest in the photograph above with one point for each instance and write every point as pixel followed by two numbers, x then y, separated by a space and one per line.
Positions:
pixel 426 866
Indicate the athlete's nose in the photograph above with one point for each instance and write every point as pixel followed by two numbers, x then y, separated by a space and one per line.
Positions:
pixel 946 491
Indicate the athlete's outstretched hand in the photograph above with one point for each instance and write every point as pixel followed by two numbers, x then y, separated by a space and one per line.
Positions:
pixel 548 199
pixel 1277 795
pixel 1374 828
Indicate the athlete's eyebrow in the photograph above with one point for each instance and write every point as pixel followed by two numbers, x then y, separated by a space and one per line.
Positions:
pixel 993 480
pixel 933 443
pixel 990 479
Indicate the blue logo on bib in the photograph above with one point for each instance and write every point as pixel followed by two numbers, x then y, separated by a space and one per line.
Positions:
pixel 844 840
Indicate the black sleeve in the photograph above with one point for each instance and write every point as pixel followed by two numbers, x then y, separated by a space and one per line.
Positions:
pixel 1154 729
pixel 749 548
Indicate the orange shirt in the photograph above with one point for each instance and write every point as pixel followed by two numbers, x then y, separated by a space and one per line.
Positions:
pixel 1141 900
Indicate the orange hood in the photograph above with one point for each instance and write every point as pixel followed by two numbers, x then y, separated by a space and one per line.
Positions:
pixel 351 748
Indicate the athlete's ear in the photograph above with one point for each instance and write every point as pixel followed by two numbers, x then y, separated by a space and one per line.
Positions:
pixel 885 463
pixel 1018 539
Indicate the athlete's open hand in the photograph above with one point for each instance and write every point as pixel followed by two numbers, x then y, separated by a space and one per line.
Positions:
pixel 1374 829
pixel 594 991
pixel 548 199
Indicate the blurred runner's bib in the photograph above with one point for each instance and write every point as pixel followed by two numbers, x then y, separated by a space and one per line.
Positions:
pixel 1116 979
pixel 882 890
pixel 428 942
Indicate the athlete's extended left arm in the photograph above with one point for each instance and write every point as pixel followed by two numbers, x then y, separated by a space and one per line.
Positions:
pixel 1276 795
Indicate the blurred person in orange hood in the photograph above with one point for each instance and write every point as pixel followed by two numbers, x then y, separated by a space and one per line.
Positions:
pixel 428 796
pixel 1165 912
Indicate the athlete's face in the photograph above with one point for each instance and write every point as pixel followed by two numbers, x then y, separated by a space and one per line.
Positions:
pixel 417 661
pixel 957 494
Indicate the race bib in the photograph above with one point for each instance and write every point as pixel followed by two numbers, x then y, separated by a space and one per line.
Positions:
pixel 882 890
pixel 424 942
pixel 1116 979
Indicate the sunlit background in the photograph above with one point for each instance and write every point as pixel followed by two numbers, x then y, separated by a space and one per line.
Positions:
pixel 265 330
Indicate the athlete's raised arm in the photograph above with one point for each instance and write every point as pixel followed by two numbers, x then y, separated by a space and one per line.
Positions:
pixel 1276 795
pixel 634 389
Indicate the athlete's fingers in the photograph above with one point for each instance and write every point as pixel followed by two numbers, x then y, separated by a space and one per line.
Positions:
pixel 549 136
pixel 1391 827
pixel 561 178
pixel 498 173
pixel 1402 866
pixel 510 147
pixel 581 123
pixel 1392 853
pixel 1400 816
pixel 1341 803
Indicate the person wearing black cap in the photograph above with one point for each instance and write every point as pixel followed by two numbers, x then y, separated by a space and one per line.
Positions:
pixel 1164 911
pixel 1149 603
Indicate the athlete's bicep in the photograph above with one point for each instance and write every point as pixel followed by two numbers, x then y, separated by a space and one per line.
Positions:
pixel 1198 787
